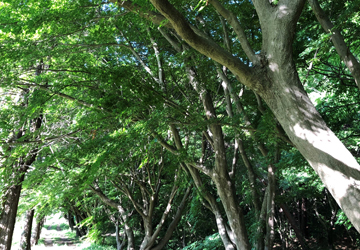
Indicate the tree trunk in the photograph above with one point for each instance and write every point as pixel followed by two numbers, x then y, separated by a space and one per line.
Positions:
pixel 10 200
pixel 71 220
pixel 221 224
pixel 270 208
pixel 128 230
pixel 25 243
pixel 335 165
pixel 303 218
pixel 293 224
pixel 38 227
pixel 276 80
pixel 9 210
pixel 80 230
pixel 213 206
pixel 119 243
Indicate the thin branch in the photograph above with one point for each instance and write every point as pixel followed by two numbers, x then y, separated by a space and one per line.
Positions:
pixel 46 88
pixel 39 141
pixel 234 22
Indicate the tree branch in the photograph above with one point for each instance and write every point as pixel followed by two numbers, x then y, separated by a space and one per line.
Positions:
pixel 206 46
pixel 337 39
pixel 234 22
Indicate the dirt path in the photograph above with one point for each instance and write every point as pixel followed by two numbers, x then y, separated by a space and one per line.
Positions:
pixel 56 238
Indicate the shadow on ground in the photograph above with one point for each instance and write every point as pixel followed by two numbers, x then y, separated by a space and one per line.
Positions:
pixel 59 238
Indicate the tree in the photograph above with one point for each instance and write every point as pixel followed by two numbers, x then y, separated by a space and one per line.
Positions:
pixel 25 242
pixel 274 77
pixel 16 166
pixel 118 81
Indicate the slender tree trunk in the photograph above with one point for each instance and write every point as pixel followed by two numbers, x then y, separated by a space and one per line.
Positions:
pixel 270 208
pixel 80 229
pixel 40 222
pixel 219 174
pixel 337 39
pixel 25 243
pixel 128 230
pixel 119 244
pixel 71 221
pixel 303 218
pixel 174 222
pixel 213 206
pixel 221 178
pixel 294 225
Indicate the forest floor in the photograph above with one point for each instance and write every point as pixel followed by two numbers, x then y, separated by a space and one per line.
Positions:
pixel 54 235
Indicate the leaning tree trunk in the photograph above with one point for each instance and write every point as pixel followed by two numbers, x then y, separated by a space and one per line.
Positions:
pixel 275 79
pixel 119 243
pixel 286 97
pixel 128 230
pixel 25 243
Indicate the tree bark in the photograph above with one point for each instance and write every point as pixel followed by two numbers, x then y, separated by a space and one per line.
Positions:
pixel 11 200
pixel 119 243
pixel 9 210
pixel 128 230
pixel 38 227
pixel 25 243
pixel 213 206
pixel 277 82
pixel 173 223
pixel 71 221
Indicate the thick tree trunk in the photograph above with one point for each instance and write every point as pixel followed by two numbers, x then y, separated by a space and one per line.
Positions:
pixel 287 99
pixel 148 232
pixel 9 210
pixel 335 165
pixel 25 243
pixel 283 92
pixel 276 80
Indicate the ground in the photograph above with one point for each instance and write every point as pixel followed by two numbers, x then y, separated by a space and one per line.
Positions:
pixel 55 235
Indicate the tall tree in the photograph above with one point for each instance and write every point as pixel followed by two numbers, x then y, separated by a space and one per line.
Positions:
pixel 274 77
pixel 16 165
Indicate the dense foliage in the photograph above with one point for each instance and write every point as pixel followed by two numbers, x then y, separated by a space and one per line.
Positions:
pixel 130 114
